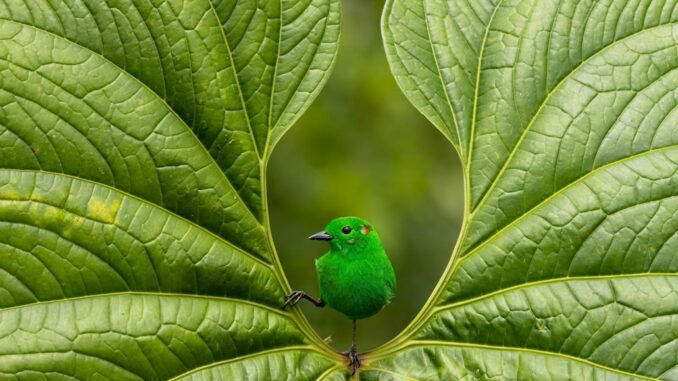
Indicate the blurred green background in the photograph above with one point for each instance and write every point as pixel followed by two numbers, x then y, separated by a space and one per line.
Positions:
pixel 362 149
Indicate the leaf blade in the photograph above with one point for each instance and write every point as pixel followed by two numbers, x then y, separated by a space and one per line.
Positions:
pixel 179 54
pixel 122 133
pixel 292 364
pixel 148 336
pixel 131 177
pixel 49 219
pixel 435 78
pixel 570 178
pixel 446 361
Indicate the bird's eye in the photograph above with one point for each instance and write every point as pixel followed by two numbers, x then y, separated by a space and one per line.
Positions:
pixel 346 230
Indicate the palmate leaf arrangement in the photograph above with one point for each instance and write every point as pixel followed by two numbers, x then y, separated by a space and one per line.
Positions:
pixel 134 233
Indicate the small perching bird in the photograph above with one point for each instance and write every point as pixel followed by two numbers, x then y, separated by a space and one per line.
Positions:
pixel 355 277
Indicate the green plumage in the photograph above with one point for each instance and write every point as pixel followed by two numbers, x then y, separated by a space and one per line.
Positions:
pixel 355 277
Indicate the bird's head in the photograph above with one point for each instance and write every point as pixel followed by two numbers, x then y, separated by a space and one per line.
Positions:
pixel 347 233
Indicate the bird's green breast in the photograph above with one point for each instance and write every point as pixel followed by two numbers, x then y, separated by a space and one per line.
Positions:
pixel 357 284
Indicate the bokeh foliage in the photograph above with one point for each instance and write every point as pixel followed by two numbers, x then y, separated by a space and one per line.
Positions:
pixel 361 149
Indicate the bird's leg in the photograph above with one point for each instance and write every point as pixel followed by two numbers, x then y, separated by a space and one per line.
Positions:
pixel 295 296
pixel 352 354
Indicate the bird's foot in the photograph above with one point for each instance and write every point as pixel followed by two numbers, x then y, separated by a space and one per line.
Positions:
pixel 293 298
pixel 353 359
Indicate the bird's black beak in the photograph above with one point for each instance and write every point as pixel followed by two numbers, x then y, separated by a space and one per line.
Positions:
pixel 321 236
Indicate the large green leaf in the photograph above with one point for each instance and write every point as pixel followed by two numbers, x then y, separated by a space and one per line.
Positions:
pixel 134 235
pixel 564 114
pixel 134 232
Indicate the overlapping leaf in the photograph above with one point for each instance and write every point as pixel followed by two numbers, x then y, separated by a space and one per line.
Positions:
pixel 564 114
pixel 134 135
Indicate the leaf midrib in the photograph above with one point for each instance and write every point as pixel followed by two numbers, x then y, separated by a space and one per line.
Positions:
pixel 453 344
pixel 392 373
pixel 212 298
pixel 274 81
pixel 306 348
pixel 442 82
pixel 146 203
pixel 562 279
pixel 329 371
pixel 475 249
pixel 237 81
pixel 467 164
pixel 117 367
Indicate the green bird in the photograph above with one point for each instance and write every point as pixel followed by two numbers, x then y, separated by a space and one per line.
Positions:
pixel 355 277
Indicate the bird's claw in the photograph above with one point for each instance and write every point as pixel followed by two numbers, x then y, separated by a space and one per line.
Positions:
pixel 292 299
pixel 353 359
